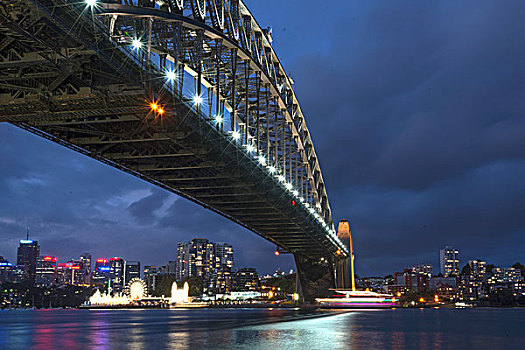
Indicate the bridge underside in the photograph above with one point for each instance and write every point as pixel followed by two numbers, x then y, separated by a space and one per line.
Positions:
pixel 78 89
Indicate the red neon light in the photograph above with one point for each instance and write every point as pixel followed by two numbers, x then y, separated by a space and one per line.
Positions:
pixel 102 260
pixel 114 259
pixel 76 267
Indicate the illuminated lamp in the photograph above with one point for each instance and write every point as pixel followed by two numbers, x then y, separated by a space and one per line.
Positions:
pixel 136 43
pixel 235 134
pixel 171 75
pixel 197 99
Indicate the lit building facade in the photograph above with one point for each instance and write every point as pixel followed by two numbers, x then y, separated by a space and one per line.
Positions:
pixel 131 271
pixel 247 279
pixel 116 274
pixel 224 255
pixel 27 255
pixel 508 278
pixel 150 274
pixel 86 259
pixel 100 274
pixel 45 270
pixel 423 268
pixel 69 273
pixel 5 269
pixel 449 261
pixel 412 281
pixel 195 259
pixel 478 268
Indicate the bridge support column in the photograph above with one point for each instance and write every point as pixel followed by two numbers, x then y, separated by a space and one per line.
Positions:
pixel 342 273
pixel 315 276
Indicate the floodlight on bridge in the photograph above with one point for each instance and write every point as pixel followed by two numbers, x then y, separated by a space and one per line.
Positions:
pixel 235 134
pixel 272 169
pixel 250 148
pixel 171 76
pixel 281 178
pixel 288 186
pixel 218 119
pixel 154 106
pixel 295 193
pixel 262 160
pixel 197 100
pixel 136 43
pixel 91 2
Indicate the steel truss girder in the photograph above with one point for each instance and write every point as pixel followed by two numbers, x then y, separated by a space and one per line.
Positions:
pixel 67 111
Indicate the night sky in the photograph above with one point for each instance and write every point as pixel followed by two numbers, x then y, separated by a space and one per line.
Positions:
pixel 417 112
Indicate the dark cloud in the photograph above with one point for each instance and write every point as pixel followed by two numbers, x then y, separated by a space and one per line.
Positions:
pixel 416 109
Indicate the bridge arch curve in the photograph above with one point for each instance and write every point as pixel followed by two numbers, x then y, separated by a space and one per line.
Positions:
pixel 226 132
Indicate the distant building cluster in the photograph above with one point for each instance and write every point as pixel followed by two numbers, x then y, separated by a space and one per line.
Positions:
pixel 212 263
pixel 477 281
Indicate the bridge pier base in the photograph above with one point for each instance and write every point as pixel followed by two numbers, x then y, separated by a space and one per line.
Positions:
pixel 342 273
pixel 315 277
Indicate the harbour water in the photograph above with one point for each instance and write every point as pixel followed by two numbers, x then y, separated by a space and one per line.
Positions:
pixel 478 328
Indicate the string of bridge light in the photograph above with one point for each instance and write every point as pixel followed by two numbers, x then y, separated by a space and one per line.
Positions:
pixel 235 135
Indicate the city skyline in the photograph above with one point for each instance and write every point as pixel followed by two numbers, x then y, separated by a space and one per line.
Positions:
pixel 436 265
pixel 413 160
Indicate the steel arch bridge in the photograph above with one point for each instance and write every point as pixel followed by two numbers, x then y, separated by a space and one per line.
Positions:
pixel 186 94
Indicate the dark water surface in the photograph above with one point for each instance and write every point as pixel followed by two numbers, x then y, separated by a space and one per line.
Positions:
pixel 263 329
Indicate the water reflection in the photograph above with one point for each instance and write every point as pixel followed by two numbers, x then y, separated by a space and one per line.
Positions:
pixel 261 328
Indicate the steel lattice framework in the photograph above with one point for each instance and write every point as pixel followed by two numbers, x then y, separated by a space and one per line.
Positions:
pixel 186 94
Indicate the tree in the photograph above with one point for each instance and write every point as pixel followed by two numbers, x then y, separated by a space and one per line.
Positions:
pixel 286 283
pixel 196 285
pixel 163 287
pixel 490 267
pixel 519 267
pixel 502 297
pixel 465 271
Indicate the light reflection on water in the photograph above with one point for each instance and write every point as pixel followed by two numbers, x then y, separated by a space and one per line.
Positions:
pixel 261 329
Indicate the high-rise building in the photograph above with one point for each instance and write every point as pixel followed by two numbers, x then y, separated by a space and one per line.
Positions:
pixel 247 279
pixel 224 255
pixel 116 274
pixel 27 255
pixel 412 281
pixel 86 267
pixel 100 274
pixel 506 278
pixel 195 259
pixel 131 271
pixel 423 268
pixel 449 261
pixel 171 267
pixel 224 280
pixel 69 273
pixel 478 268
pixel 46 267
pixel 150 273
pixel 5 269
